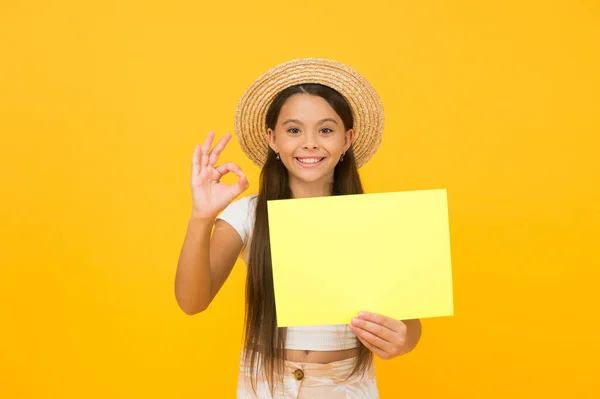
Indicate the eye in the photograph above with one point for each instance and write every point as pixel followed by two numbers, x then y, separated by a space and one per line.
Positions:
pixel 293 130
pixel 326 130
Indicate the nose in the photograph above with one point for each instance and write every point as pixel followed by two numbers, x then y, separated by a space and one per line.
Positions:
pixel 310 141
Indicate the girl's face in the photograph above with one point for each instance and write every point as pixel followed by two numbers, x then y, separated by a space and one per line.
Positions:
pixel 310 138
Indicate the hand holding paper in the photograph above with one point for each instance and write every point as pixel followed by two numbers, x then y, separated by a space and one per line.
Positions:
pixel 384 336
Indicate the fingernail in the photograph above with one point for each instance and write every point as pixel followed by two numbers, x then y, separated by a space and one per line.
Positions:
pixel 362 314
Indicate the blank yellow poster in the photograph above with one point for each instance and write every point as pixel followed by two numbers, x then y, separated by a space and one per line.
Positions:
pixel 387 253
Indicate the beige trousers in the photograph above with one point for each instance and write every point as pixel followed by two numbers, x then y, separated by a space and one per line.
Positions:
pixel 313 381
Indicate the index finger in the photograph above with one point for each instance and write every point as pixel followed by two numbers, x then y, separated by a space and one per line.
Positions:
pixel 205 150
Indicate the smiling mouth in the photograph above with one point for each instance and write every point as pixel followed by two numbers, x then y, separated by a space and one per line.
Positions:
pixel 308 162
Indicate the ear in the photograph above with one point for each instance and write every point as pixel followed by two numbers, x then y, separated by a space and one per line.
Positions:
pixel 349 139
pixel 271 138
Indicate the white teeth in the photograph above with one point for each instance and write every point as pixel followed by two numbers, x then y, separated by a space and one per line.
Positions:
pixel 309 160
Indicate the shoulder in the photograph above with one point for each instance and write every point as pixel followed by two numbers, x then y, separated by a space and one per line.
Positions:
pixel 240 215
pixel 244 205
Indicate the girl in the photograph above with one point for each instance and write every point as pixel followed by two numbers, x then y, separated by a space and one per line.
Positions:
pixel 309 124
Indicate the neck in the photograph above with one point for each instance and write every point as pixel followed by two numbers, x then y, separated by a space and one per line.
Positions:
pixel 320 188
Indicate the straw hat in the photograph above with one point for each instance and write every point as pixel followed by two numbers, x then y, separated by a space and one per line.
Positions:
pixel 367 108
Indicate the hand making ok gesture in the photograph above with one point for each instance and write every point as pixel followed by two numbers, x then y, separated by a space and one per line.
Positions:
pixel 209 195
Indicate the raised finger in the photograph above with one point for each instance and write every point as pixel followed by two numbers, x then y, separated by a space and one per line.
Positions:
pixel 206 149
pixel 196 161
pixel 214 154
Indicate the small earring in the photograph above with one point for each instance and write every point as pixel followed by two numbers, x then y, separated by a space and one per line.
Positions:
pixel 277 157
pixel 342 157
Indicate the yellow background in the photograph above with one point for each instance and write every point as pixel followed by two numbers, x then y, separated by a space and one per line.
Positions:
pixel 101 105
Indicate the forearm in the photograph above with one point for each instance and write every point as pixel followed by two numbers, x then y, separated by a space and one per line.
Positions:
pixel 193 278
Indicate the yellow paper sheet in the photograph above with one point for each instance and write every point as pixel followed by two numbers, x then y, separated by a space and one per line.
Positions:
pixel 387 253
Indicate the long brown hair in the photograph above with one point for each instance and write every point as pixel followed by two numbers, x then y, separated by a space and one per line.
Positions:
pixel 264 341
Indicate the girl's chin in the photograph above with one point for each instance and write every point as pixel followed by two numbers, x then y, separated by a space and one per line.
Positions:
pixel 310 175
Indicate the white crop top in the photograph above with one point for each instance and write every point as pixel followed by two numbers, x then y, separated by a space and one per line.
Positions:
pixel 240 215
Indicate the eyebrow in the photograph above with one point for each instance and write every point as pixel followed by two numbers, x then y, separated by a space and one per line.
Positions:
pixel 300 123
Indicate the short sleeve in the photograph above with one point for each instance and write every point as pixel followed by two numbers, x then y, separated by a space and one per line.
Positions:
pixel 236 215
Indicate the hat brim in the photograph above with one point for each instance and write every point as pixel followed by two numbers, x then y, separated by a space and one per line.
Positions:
pixel 367 108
